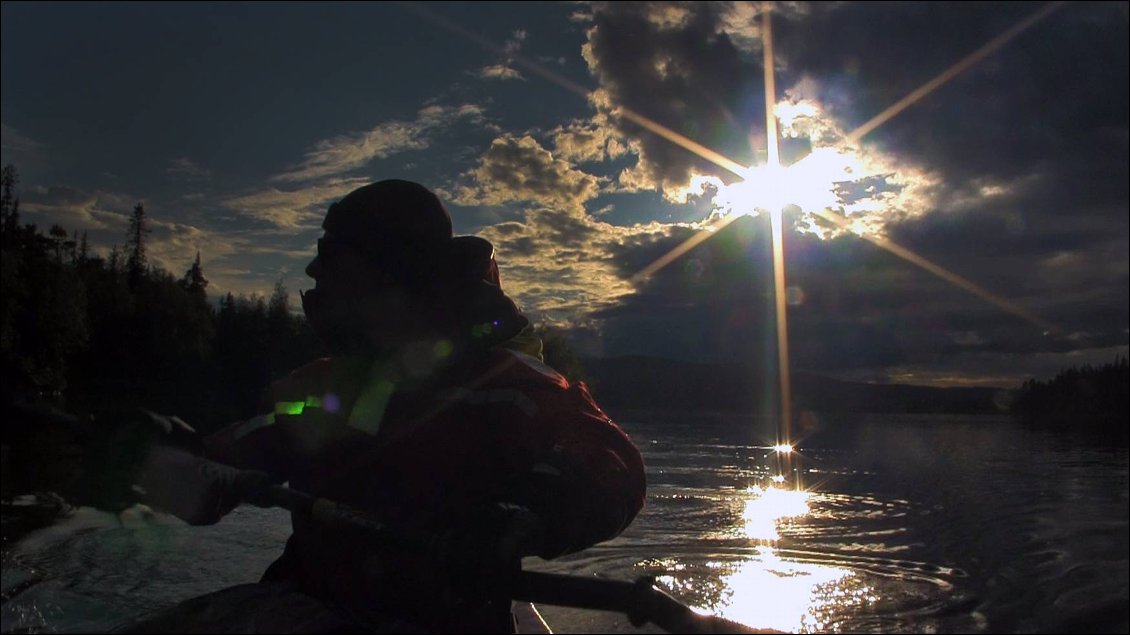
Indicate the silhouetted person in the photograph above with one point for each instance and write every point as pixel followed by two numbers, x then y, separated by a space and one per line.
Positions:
pixel 429 414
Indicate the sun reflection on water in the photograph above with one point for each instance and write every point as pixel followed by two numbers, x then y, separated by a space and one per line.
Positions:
pixel 765 590
pixel 766 506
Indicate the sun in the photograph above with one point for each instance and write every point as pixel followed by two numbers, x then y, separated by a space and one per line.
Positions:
pixel 810 184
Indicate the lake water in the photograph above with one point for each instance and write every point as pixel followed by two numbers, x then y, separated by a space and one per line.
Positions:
pixel 885 524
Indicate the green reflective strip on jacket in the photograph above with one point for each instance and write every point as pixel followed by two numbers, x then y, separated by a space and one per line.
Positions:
pixel 297 407
pixel 289 407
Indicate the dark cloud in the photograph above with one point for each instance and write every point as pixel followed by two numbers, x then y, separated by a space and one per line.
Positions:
pixel 188 169
pixel 857 309
pixel 75 208
pixel 1018 184
pixel 1013 175
pixel 17 147
pixel 1053 98
pixel 669 63
pixel 504 69
pixel 345 153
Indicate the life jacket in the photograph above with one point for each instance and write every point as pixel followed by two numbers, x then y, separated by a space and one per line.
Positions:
pixel 425 451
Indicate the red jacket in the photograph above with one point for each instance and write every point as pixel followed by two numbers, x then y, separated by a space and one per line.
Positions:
pixel 428 451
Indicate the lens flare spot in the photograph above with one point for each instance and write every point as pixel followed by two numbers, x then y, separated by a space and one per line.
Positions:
pixel 794 296
pixel 443 349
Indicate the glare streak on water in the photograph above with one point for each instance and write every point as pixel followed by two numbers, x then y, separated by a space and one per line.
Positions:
pixel 908 526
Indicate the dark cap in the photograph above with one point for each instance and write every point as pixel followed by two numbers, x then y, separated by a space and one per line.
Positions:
pixel 390 214
pixel 472 258
pixel 451 283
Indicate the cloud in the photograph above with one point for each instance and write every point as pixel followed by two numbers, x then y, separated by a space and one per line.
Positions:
pixel 499 71
pixel 342 154
pixel 300 208
pixel 173 246
pixel 689 67
pixel 517 169
pixel 1012 176
pixel 592 140
pixel 556 259
pixel 859 312
pixel 666 62
pixel 1028 203
pixel 74 208
pixel 16 144
pixel 239 262
pixel 580 16
pixel 103 217
pixel 982 124
pixel 559 265
pixel 505 70
pixel 299 202
pixel 741 21
pixel 187 168
pixel 695 68
pixel 860 182
pixel 513 45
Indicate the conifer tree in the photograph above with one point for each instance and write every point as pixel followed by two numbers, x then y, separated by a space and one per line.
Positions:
pixel 194 281
pixel 9 204
pixel 58 239
pixel 137 265
pixel 83 249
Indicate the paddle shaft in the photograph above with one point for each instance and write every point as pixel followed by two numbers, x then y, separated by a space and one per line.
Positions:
pixel 641 601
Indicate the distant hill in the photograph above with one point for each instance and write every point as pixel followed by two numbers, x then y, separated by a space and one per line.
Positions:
pixel 651 383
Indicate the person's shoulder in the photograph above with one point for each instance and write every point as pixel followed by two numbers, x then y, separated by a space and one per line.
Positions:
pixel 507 366
pixel 314 377
pixel 315 367
pixel 310 371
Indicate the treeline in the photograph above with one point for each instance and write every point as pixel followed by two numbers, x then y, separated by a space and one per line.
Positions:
pixel 1085 399
pixel 97 334
pixel 104 335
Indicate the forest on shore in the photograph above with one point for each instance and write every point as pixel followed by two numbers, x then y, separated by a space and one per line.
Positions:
pixel 1088 399
pixel 91 335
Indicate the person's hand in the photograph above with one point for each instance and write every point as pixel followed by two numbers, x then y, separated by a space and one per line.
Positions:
pixel 522 533
pixel 197 490
pixel 252 487
pixel 118 445
pixel 171 430
pixel 485 548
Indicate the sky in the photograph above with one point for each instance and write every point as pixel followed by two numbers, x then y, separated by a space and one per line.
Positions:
pixel 983 227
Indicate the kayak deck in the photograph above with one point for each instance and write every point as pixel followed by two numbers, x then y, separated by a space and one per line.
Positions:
pixel 527 618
